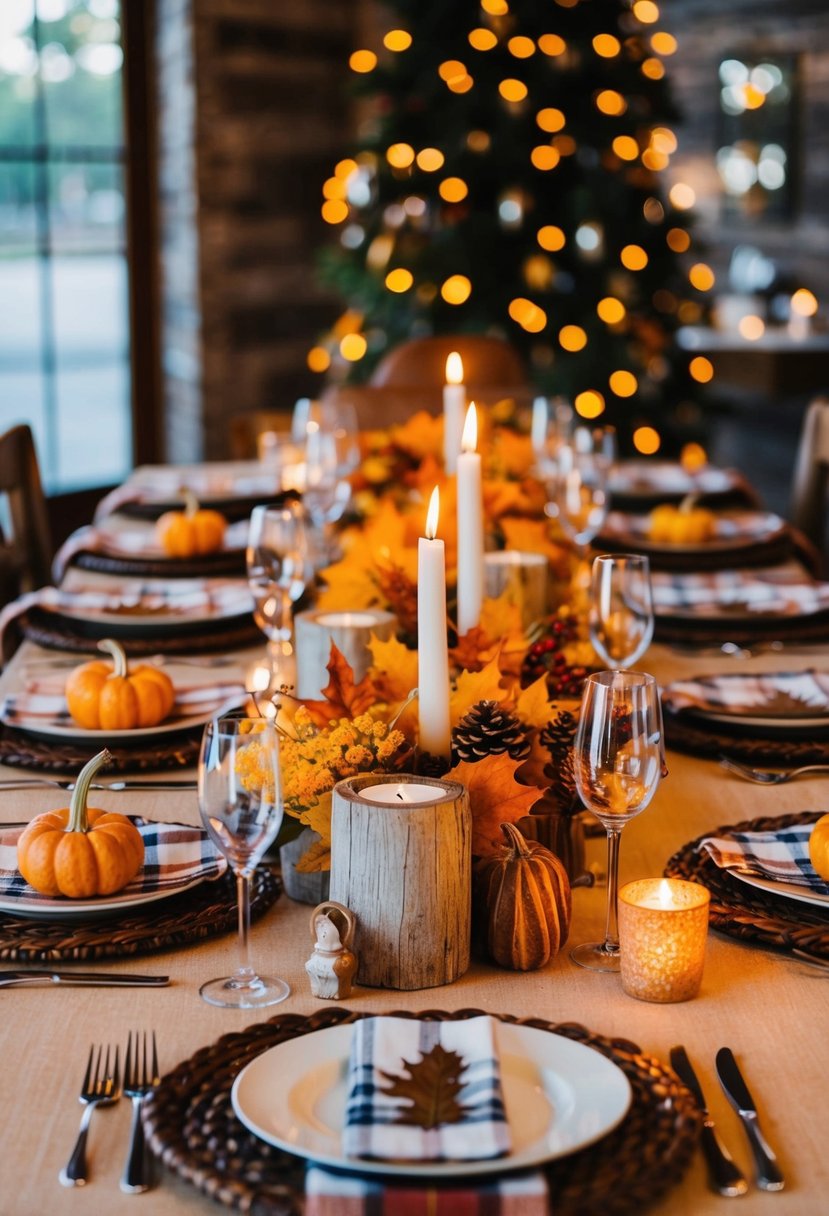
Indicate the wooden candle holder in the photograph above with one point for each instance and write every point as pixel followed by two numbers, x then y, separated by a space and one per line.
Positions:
pixel 404 868
pixel 349 631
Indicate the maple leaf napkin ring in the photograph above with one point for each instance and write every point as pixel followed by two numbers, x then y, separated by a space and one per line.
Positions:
pixel 424 1091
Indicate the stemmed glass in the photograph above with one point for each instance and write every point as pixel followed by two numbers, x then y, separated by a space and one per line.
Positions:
pixel 241 807
pixel 621 608
pixel 328 432
pixel 551 426
pixel 578 488
pixel 618 764
pixel 277 568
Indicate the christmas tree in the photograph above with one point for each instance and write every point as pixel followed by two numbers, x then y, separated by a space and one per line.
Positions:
pixel 507 180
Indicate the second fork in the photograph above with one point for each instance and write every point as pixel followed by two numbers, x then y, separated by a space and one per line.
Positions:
pixel 140 1076
pixel 98 1088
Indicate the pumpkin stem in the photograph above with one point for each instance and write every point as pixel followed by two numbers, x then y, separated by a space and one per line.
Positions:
pixel 119 657
pixel 78 821
pixel 515 840
pixel 688 503
pixel 191 503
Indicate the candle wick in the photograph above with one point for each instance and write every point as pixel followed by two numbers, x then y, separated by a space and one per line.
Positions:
pixel 399 795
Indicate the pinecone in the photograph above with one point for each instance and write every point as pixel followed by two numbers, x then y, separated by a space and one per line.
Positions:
pixel 428 765
pixel 558 737
pixel 489 730
pixel 557 632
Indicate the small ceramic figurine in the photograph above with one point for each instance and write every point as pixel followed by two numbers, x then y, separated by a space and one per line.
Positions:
pixel 332 966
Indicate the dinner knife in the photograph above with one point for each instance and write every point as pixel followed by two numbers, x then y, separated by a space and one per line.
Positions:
pixel 769 1175
pixel 724 1175
pixel 65 784
pixel 100 979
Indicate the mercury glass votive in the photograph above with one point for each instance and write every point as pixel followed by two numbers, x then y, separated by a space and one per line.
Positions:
pixel 663 926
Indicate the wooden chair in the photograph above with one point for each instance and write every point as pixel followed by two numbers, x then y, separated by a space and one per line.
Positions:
pixel 808 507
pixel 26 551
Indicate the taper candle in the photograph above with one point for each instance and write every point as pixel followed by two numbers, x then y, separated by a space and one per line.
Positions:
pixel 432 646
pixel 470 527
pixel 454 403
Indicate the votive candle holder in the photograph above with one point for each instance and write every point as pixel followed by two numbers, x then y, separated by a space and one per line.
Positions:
pixel 663 927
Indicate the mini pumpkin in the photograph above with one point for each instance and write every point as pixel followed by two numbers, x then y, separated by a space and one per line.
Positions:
pixel 683 525
pixel 819 847
pixel 113 696
pixel 191 532
pixel 526 900
pixel 80 851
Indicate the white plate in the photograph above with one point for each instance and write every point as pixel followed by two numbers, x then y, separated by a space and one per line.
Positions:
pixel 736 530
pixel 180 721
pixel 647 477
pixel 763 721
pixel 788 890
pixel 144 621
pixel 71 910
pixel 559 1095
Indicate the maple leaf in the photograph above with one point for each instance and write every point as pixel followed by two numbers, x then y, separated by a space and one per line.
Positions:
pixel 532 536
pixel 318 818
pixel 474 686
pixel 421 435
pixel 432 1087
pixel 533 704
pixel 495 797
pixel 343 698
pixel 393 669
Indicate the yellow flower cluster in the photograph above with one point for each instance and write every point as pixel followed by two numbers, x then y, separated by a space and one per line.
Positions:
pixel 254 766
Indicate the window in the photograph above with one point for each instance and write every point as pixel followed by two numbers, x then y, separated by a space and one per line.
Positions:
pixel 64 301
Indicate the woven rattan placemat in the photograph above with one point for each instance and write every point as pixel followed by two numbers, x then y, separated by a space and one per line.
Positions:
pixel 691 631
pixel 747 912
pixel 59 756
pixel 226 561
pixel 687 734
pixel 60 633
pixel 192 1127
pixel 205 911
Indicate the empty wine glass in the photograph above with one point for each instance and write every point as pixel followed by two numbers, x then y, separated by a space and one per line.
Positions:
pixel 277 568
pixel 621 608
pixel 328 431
pixel 551 427
pixel 618 765
pixel 578 489
pixel 241 807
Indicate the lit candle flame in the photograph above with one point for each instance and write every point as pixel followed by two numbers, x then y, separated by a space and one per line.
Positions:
pixel 469 437
pixel 454 368
pixel 432 514
pixel 666 899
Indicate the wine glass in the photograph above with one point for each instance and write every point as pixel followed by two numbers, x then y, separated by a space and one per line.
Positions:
pixel 618 764
pixel 551 427
pixel 621 608
pixel 277 561
pixel 328 432
pixel 578 489
pixel 241 806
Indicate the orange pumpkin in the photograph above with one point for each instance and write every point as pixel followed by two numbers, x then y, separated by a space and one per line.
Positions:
pixel 78 851
pixel 686 524
pixel 111 696
pixel 819 847
pixel 191 532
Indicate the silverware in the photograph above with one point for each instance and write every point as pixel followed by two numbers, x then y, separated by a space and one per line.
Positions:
pixel 98 979
pixel 769 1175
pixel 25 783
pixel 139 1079
pixel 724 1176
pixel 761 776
pixel 735 650
pixel 98 1088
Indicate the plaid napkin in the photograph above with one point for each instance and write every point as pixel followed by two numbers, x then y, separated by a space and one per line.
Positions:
pixel 47 705
pixel 174 855
pixel 387 1045
pixel 782 855
pixel 135 541
pixel 329 1194
pixel 784 693
pixel 738 592
pixel 160 483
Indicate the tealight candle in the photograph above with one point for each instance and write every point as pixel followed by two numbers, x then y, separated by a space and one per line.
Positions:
pixel 470 527
pixel 663 926
pixel 432 647
pixel 351 632
pixel 454 404
pixel 390 794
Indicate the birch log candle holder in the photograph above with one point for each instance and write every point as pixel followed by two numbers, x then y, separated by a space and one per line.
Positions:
pixel 349 631
pixel 401 860
pixel 524 575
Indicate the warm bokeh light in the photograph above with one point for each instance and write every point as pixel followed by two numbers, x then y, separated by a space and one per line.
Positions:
pixel 663 43
pixel 751 327
pixel 551 44
pixel 678 240
pixel 344 168
pixel 804 302
pixel 430 160
pixel 646 440
pixel 646 11
pixel 626 147
pixel 482 40
pixel 453 189
pixel 654 69
pixel 689 312
pixel 495 8
pixel 701 276
pixel 334 187
pixel 589 404
pixel 701 369
pixel 550 119
pixel 478 141
pixel 663 140
pixel 399 280
pixel 611 310
pixel 545 157
pixel 572 337
pixel 456 289
pixel 334 211
pixel 654 160
pixel 318 359
pixel 633 257
pixel 348 322
pixel 693 457
pixel 460 84
pixel 528 315
pixel 400 156
pixel 653 210
pixel 682 196
pixel 538 272
pixel 397 40
pixel 363 61
pixel 606 45
pixel 623 383
pixel 450 69
pixel 550 238
pixel 521 47
pixel 610 102
pixel 353 347
pixel 512 90
pixel 565 144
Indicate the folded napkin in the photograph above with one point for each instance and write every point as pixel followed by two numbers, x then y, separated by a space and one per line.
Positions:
pixel 159 483
pixel 44 703
pixel 174 855
pixel 781 593
pixel 391 1074
pixel 136 541
pixel 329 1194
pixel 775 693
pixel 782 855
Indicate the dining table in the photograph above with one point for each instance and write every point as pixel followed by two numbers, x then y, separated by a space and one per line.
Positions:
pixel 768 1006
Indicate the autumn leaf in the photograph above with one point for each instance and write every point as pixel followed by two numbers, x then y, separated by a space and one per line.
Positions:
pixel 475 686
pixel 495 797
pixel 393 669
pixel 533 704
pixel 421 435
pixel 431 1085
pixel 318 818
pixel 343 698
pixel 531 536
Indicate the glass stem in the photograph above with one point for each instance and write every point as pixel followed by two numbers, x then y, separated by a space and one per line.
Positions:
pixel 286 621
pixel 245 972
pixel 611 932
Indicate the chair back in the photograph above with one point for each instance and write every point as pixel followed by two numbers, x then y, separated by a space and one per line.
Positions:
pixel 808 506
pixel 25 543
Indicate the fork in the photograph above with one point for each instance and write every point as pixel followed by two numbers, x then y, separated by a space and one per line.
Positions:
pixel 99 1088
pixel 762 777
pixel 139 1079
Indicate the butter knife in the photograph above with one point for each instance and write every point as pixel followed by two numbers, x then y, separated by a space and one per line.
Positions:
pixel 769 1175
pixel 724 1176
pixel 66 784
pixel 100 979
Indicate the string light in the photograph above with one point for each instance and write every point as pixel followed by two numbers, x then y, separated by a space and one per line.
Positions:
pixel 399 280
pixel 552 45
pixel 528 315
pixel 663 43
pixel 397 40
pixel 456 289
pixel 482 40
pixel 512 90
pixel 589 404
pixel 611 310
pixel 550 238
pixel 654 69
pixel 701 276
pixel 804 302
pixel 545 157
pixel 400 156
pixel 334 187
pixel 430 160
pixel 521 47
pixel 751 327
pixel 682 196
pixel 334 211
pixel 626 147
pixel 550 119
pixel 495 8
pixel 623 383
pixel 451 69
pixel 353 347
pixel 318 359
pixel 646 12
pixel 606 45
pixel 646 440
pixel 344 168
pixel 565 144
pixel 693 457
pixel 678 240
pixel 460 84
pixel 610 102
pixel 453 189
pixel 572 337
pixel 633 257
pixel 363 61
pixel 701 369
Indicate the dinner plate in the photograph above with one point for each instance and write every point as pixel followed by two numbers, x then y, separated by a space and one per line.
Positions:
pixel 646 478
pixel 787 890
pixel 76 910
pixel 71 732
pixel 559 1095
pixel 136 618
pixel 734 530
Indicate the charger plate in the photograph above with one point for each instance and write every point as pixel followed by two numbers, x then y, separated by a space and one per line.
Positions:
pixel 191 1125
pixel 747 912
pixel 65 756
pixel 57 632
pixel 708 738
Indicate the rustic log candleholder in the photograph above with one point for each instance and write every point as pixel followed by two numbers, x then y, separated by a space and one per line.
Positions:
pixel 401 860
pixel 349 631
